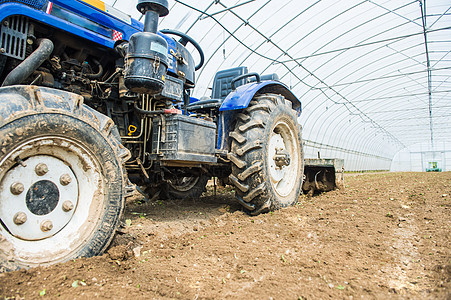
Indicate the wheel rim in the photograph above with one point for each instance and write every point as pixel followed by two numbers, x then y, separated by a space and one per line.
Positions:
pixel 183 184
pixel 283 175
pixel 44 212
pixel 47 202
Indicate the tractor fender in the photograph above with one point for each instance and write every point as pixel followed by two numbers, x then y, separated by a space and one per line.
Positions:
pixel 240 98
pixel 81 11
pixel 74 7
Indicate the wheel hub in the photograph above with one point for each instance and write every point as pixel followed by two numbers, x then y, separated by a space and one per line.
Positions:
pixel 42 197
pixel 39 197
pixel 276 147
pixel 281 158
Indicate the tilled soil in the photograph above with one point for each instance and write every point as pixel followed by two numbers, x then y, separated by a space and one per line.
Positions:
pixel 385 236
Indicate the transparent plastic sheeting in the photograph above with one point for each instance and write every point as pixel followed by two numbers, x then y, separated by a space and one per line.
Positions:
pixel 422 157
pixel 373 76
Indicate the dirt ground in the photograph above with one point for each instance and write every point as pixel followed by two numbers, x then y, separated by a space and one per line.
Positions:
pixel 385 236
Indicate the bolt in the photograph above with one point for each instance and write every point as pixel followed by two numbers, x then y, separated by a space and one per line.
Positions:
pixel 20 218
pixel 65 179
pixel 46 225
pixel 67 206
pixel 2 50
pixel 6 23
pixel 18 160
pixel 16 188
pixel 41 169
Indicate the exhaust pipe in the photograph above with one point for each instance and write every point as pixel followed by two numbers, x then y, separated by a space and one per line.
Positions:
pixel 30 64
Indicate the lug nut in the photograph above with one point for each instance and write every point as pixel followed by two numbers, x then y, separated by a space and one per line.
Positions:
pixel 20 218
pixel 68 206
pixel 16 188
pixel 65 179
pixel 46 225
pixel 41 169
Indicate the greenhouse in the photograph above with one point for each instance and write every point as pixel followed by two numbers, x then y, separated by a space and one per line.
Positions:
pixel 373 76
pixel 225 149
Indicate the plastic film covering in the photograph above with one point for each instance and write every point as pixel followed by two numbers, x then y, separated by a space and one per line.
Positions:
pixel 374 76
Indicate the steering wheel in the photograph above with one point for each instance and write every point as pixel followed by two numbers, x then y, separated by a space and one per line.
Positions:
pixel 184 39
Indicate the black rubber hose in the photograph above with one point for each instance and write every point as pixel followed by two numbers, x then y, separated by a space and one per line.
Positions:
pixel 148 112
pixel 99 73
pixel 30 64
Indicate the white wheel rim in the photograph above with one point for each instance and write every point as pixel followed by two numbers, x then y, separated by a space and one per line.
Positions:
pixel 283 178
pixel 32 202
pixel 27 242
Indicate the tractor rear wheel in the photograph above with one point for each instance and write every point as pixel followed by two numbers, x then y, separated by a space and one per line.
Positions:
pixel 185 187
pixel 267 155
pixel 62 178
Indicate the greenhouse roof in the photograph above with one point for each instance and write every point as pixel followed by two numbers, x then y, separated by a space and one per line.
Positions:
pixel 374 77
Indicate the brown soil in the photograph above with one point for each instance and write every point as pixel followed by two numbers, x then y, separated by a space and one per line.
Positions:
pixel 384 236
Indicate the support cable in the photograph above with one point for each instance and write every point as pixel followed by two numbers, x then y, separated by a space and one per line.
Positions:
pixel 298 63
pixel 429 71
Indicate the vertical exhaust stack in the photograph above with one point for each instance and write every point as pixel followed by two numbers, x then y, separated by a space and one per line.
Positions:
pixel 146 61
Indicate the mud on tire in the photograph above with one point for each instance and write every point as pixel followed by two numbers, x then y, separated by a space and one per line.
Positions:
pixel 62 178
pixel 267 155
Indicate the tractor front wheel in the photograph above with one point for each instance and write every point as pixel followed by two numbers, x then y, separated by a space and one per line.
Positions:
pixel 62 178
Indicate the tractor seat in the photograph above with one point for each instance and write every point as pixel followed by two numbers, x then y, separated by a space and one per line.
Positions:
pixel 222 86
pixel 204 104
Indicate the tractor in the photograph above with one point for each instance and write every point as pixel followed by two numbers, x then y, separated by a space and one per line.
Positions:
pixel 94 104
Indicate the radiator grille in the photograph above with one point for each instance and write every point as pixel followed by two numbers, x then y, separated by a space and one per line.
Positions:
pixel 13 36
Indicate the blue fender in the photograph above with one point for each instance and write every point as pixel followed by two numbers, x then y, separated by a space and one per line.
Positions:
pixel 240 98
pixel 80 13
pixel 78 10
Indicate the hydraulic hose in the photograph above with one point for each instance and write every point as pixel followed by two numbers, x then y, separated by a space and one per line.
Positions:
pixel 30 64
pixel 98 74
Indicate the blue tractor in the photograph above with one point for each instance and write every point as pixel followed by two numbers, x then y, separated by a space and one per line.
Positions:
pixel 94 104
